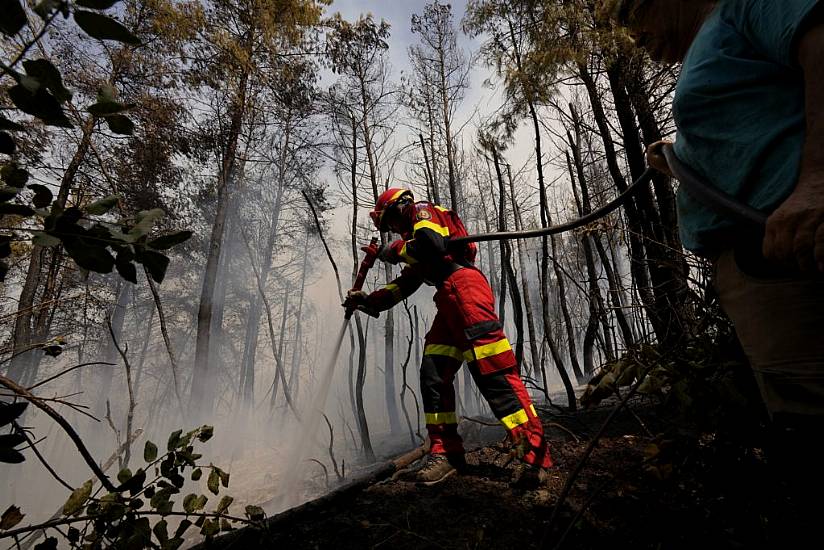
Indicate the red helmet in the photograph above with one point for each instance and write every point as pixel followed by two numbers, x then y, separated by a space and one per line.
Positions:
pixel 386 201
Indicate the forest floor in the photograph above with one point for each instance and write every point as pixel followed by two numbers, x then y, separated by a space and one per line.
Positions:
pixel 636 490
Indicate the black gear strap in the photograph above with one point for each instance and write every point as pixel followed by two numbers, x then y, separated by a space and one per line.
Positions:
pixel 473 332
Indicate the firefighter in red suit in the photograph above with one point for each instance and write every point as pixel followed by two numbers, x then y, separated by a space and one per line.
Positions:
pixel 465 329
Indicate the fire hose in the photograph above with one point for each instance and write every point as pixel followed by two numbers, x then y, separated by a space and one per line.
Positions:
pixel 722 203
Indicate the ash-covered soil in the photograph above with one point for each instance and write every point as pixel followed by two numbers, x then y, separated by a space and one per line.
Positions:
pixel 637 489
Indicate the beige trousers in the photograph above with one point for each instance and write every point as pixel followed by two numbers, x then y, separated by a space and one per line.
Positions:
pixel 780 323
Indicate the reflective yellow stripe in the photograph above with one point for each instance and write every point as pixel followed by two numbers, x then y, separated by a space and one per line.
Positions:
pixel 532 408
pixel 396 195
pixel 406 257
pixel 515 419
pixel 469 356
pixel 441 418
pixel 441 208
pixel 441 349
pixel 395 290
pixel 488 350
pixel 443 231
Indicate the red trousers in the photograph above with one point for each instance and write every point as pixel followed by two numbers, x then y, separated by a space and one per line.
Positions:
pixel 466 328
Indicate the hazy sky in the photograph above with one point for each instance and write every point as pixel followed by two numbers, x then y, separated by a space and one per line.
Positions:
pixel 478 99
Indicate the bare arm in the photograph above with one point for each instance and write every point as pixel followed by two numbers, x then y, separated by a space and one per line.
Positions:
pixel 795 231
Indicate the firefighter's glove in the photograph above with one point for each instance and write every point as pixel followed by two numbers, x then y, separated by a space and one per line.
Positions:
pixel 387 254
pixel 355 299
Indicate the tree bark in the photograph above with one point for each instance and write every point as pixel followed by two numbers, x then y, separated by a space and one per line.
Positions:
pixel 668 293
pixel 202 394
pixel 506 261
pixel 530 320
pixel 116 317
pixel 550 340
pixel 360 414
pixel 247 364
pixel 24 336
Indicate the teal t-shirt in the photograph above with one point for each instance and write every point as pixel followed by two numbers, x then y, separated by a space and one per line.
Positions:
pixel 739 110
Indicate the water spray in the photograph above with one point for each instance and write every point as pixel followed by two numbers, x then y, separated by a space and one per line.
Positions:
pixel 312 420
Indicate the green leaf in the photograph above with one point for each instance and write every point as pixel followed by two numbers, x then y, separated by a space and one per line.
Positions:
pixel 77 499
pixel 16 210
pixel 6 124
pixel 224 504
pixel 160 498
pixel 174 440
pixel 144 221
pixel 224 477
pixel 14 18
pixel 10 412
pixel 7 192
pixel 49 544
pixel 106 93
pixel 7 441
pixel 176 479
pixel 41 238
pixel 161 531
pixel 213 483
pixel 210 528
pixel 120 124
pixel 11 517
pixel 100 207
pixel 181 529
pixel 40 104
pixel 10 456
pixel 30 83
pixel 155 262
pixel 52 350
pixel 104 28
pixel 42 195
pixel 5 246
pixel 168 241
pixel 14 175
pixel 255 513
pixel 97 4
pixel 150 452
pixel 49 76
pixel 134 484
pixel 197 473
pixel 7 145
pixel 91 258
pixel 45 7
pixel 124 475
pixel 105 108
pixel 205 433
pixel 201 502
pixel 192 503
pixel 125 267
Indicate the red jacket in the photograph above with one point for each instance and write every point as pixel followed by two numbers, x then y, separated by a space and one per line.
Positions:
pixel 423 250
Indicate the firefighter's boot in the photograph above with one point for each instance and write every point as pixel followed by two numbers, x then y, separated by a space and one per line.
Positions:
pixel 436 469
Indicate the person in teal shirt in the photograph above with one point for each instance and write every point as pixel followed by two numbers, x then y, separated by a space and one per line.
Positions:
pixel 749 114
pixel 739 110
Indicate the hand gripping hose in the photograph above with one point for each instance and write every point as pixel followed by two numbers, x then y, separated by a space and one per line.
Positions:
pixel 722 203
pixel 370 253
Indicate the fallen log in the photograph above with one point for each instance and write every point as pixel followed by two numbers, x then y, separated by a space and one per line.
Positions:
pixel 246 537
